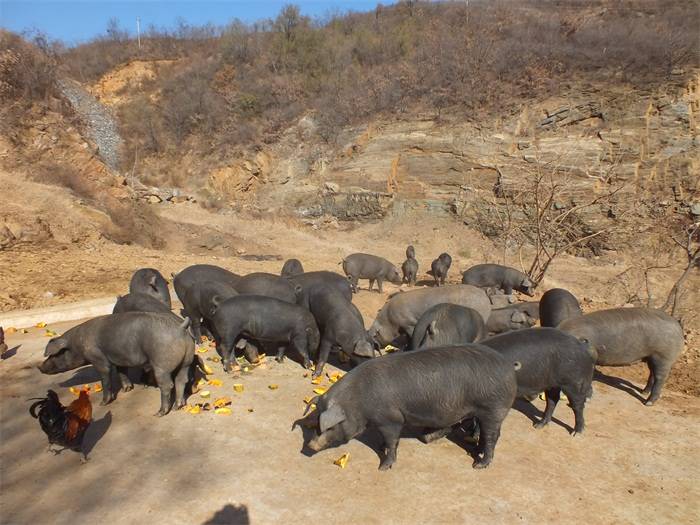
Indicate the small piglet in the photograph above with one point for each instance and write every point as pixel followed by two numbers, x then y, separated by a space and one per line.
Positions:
pixel 440 267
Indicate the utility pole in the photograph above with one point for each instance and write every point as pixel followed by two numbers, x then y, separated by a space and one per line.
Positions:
pixel 138 31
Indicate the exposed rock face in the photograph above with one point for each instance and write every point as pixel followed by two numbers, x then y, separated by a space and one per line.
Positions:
pixel 240 181
pixel 595 137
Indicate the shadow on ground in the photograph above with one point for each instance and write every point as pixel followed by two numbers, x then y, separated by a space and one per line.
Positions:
pixel 620 384
pixel 230 515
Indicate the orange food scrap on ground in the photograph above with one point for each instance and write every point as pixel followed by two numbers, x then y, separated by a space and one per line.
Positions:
pixel 334 376
pixel 238 387
pixel 215 382
pixel 223 411
pixel 41 325
pixel 205 393
pixel 273 386
pixel 10 330
pixel 320 390
pixel 342 461
pixel 317 381
pixel 222 402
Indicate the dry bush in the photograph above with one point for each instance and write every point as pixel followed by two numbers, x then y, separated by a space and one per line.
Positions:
pixel 27 70
pixel 243 84
pixel 134 222
pixel 27 79
pixel 64 175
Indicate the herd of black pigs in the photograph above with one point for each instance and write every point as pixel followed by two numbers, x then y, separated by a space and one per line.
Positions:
pixel 434 359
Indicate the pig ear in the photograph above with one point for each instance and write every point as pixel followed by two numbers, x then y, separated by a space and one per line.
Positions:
pixel 55 346
pixel 331 417
pixel 431 328
pixel 297 289
pixel 364 349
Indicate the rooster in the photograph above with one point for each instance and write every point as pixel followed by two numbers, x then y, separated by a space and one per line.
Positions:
pixel 64 426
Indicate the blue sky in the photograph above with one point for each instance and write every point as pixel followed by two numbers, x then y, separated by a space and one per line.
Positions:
pixel 78 20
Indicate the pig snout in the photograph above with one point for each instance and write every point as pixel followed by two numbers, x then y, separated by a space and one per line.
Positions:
pixel 318 443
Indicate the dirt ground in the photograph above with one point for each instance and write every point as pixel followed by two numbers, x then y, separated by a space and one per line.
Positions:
pixel 634 463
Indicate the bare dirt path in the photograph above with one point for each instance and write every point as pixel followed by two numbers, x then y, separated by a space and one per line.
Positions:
pixel 634 464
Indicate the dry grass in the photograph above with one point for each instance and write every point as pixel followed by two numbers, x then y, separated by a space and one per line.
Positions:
pixel 238 86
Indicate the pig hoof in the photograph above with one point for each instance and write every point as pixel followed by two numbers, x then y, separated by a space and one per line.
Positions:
pixel 385 465
pixel 127 388
pixel 161 413
pixel 540 424
pixel 649 402
pixel 577 433
pixel 480 463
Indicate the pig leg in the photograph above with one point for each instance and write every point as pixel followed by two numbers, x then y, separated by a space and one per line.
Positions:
pixel 552 396
pixel 371 283
pixel 661 369
pixel 379 284
pixel 577 400
pixel 323 352
pixel 391 434
pixel 251 353
pixel 650 381
pixel 104 368
pixel 165 383
pixel 301 343
pixel 127 385
pixel 180 383
pixel 226 347
pixel 490 431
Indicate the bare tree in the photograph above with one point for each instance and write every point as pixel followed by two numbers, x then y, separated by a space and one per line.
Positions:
pixel 691 246
pixel 533 214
